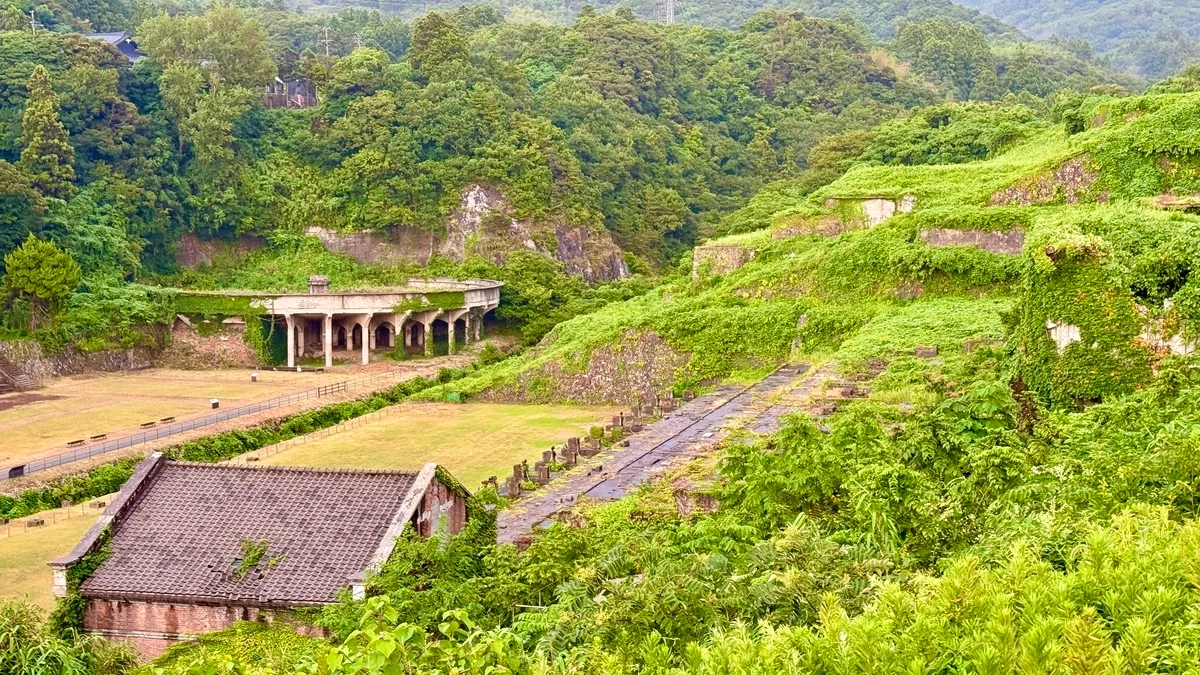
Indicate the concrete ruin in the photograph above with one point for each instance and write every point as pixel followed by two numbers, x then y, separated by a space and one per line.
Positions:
pixel 376 319
pixel 1009 242
pixel 1063 334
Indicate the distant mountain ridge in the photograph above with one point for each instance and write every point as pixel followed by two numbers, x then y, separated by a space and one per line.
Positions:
pixel 1150 38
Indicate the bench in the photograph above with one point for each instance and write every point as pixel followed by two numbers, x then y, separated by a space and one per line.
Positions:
pixel 98 504
pixel 147 425
pixel 167 420
pixel 98 437
pixel 76 444
pixel 35 522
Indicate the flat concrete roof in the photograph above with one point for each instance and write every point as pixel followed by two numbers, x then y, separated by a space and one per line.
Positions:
pixel 414 286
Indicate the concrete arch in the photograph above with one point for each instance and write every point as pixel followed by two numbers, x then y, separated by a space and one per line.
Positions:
pixel 462 330
pixel 383 335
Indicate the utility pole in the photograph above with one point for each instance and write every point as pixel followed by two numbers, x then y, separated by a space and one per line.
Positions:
pixel 33 23
pixel 326 42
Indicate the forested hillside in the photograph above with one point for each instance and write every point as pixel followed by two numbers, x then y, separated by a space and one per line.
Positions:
pixel 616 140
pixel 1152 38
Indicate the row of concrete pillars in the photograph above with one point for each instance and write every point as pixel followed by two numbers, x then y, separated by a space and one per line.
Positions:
pixel 347 332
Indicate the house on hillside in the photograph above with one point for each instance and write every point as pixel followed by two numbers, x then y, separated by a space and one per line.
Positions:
pixel 123 41
pixel 291 94
pixel 189 548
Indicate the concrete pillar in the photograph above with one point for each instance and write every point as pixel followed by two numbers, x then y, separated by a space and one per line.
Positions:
pixel 291 340
pixel 450 321
pixel 407 330
pixel 479 327
pixel 366 339
pixel 300 337
pixel 427 337
pixel 328 340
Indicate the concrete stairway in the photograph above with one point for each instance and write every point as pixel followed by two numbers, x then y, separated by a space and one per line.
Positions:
pixel 12 379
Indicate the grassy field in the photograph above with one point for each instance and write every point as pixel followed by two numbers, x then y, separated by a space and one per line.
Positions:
pixel 473 441
pixel 79 407
pixel 24 574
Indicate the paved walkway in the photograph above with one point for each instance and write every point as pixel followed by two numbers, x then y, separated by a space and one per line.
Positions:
pixel 691 431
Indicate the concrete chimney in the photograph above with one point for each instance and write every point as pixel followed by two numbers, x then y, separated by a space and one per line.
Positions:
pixel 318 284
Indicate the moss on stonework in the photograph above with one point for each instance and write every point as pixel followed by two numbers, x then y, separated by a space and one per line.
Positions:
pixel 442 300
pixel 224 305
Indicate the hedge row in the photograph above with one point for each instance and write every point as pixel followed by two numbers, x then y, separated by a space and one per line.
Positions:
pixel 108 478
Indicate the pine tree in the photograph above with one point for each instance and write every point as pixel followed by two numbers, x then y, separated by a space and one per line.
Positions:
pixel 46 156
pixel 43 274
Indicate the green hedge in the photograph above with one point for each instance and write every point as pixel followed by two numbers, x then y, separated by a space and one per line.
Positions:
pixel 108 478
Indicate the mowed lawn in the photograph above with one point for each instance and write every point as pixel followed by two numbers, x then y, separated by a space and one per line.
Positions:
pixel 473 440
pixel 24 574
pixel 115 404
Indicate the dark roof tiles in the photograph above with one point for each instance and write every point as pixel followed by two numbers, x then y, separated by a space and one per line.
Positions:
pixel 183 538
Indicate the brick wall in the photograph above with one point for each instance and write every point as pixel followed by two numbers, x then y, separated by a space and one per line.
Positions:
pixel 151 627
pixel 439 501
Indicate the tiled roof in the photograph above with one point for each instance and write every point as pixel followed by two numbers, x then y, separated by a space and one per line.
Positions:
pixel 182 536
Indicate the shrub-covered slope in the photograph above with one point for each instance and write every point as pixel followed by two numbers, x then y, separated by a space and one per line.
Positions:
pixel 1092 280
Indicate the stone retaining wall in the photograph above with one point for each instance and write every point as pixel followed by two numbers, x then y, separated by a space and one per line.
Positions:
pixel 720 260
pixel 31 361
pixel 1007 243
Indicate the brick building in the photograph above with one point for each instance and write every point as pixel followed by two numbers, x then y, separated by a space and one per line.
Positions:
pixel 195 547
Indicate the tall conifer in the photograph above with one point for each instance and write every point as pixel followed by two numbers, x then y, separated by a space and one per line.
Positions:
pixel 46 155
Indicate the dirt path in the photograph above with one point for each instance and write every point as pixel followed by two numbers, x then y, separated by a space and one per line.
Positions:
pixel 693 430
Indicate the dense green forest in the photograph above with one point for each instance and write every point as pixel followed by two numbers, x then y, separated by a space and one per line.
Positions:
pixel 649 132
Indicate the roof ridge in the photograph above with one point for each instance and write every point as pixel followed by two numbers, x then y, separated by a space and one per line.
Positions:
pixel 292 469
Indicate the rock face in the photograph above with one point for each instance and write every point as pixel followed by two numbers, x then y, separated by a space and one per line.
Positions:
pixel 1070 182
pixel 194 252
pixel 402 243
pixel 483 225
pixel 1007 243
pixel 720 260
pixel 189 350
pixel 636 368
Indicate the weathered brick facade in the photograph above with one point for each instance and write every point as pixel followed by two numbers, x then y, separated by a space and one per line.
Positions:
pixel 151 627
pixel 183 538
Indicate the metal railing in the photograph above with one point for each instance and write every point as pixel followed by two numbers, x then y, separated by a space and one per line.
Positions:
pixel 176 428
